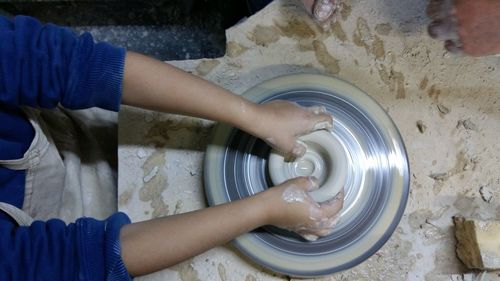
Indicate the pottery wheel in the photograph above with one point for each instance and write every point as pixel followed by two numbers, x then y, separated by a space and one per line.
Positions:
pixel 376 178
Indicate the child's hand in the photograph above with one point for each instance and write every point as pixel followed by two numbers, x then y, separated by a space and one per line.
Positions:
pixel 471 27
pixel 291 207
pixel 280 123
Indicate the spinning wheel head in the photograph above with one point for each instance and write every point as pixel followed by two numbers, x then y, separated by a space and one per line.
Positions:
pixel 364 154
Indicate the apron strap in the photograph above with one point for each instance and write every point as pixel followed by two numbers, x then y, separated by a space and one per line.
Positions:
pixel 37 148
pixel 17 214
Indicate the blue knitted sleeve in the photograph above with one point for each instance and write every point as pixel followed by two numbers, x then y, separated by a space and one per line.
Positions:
pixel 85 250
pixel 47 65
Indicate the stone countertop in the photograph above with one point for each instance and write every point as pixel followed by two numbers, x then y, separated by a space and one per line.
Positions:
pixel 446 107
pixel 166 29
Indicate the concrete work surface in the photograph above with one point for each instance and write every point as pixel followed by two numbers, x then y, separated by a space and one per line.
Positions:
pixel 446 107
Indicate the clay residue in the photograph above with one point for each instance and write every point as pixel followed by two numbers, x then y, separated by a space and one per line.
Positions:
pixel 417 56
pixel 162 132
pixel 434 93
pixel 418 218
pixel 222 272
pixel 186 271
pixel 330 63
pixel 152 191
pixel 250 277
pixel 439 176
pixel 338 31
pixel 467 124
pixel 125 197
pixel 396 251
pixel 178 207
pixel 295 28
pixel 424 220
pixel 378 48
pixel 423 83
pixel 233 49
pixel 394 80
pixel 264 35
pixel 383 28
pixel 363 37
pixel 345 10
pixel 487 193
pixel 443 109
pixel 421 126
pixel 206 66
pixel 159 133
pixel 463 163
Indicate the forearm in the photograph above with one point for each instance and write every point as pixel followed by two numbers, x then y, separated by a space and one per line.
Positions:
pixel 156 244
pixel 153 84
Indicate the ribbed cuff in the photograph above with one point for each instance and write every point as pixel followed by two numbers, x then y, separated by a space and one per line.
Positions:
pixel 109 62
pixel 90 234
pixel 115 268
pixel 99 248
pixel 99 75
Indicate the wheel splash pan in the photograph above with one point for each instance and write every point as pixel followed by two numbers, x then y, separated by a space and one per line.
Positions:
pixel 377 182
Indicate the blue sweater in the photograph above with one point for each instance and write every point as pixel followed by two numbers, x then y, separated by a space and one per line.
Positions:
pixel 43 66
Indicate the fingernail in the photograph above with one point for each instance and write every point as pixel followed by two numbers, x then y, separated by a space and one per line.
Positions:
pixel 299 150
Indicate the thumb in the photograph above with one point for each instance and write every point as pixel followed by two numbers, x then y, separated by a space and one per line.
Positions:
pixel 333 206
pixel 313 184
pixel 306 184
pixel 293 149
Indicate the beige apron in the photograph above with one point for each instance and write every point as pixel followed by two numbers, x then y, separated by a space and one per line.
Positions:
pixel 70 166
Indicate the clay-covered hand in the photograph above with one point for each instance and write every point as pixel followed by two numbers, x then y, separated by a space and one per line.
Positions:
pixel 280 123
pixel 292 208
pixel 470 27
pixel 322 10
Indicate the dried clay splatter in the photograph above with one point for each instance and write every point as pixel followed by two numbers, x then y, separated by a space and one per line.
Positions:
pixel 423 83
pixel 330 63
pixel 154 187
pixel 394 80
pixel 345 10
pixel 250 277
pixel 395 251
pixel 206 66
pixel 466 124
pixel 264 35
pixel 162 133
pixel 363 37
pixel 338 31
pixel 125 197
pixel 463 163
pixel 421 126
pixel 234 49
pixel 186 271
pixel 222 272
pixel 295 28
pixel 383 28
pixel 424 220
pixel 434 93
